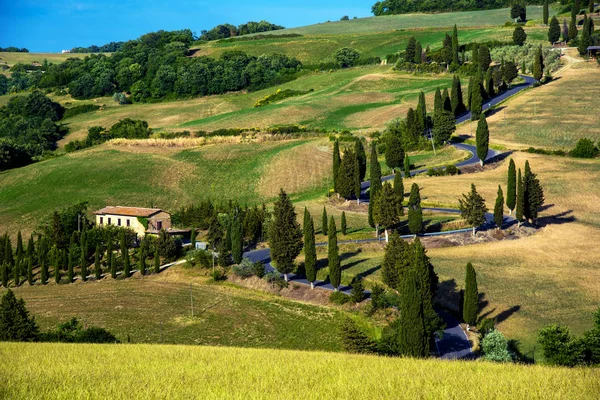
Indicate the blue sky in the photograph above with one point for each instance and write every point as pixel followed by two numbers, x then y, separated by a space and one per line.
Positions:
pixel 62 24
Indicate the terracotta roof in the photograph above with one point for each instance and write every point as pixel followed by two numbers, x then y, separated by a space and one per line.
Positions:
pixel 128 211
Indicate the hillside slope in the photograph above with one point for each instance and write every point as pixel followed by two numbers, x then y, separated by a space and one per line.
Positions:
pixel 158 372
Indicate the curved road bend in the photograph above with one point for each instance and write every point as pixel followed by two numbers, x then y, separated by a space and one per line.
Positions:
pixel 454 344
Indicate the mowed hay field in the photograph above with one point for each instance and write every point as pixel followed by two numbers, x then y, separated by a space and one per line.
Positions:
pixel 166 177
pixel 158 309
pixel 34 370
pixel 554 115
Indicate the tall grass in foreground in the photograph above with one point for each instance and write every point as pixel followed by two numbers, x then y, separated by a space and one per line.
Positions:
pixel 61 371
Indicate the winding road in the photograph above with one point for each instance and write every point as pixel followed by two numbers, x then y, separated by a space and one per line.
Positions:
pixel 454 344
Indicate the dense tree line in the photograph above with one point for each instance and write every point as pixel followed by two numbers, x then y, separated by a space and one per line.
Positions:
pixel 157 66
pixel 12 49
pixel 105 48
pixel 224 31
pixel 127 128
pixel 28 129
pixel 390 7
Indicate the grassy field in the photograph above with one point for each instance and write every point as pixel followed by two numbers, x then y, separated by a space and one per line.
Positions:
pixel 157 309
pixel 316 47
pixel 555 115
pixel 162 371
pixel 160 176
pixel 413 21
pixel 10 59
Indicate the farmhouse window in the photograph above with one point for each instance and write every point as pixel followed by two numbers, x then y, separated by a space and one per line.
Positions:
pixel 128 223
pixel 119 222
pixel 158 225
pixel 101 220
pixel 109 221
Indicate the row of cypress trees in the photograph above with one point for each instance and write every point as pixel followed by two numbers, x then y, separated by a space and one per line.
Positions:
pixel 349 171
pixel 524 193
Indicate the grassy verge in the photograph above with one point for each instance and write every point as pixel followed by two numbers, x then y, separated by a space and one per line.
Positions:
pixel 155 372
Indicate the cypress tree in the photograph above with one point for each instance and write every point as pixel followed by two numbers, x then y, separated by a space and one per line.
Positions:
pixel 157 261
pixel 285 236
pixel 511 187
pixel 538 66
pixel 399 186
pixel 406 166
pixel 554 30
pixel 347 175
pixel 44 268
pixel 472 208
pixel 193 238
pixel 8 253
pixel 30 248
pixel 359 151
pixel 591 6
pixel 310 251
pixel 565 31
pixel 4 274
pixel 113 267
pixel 388 208
pixel 475 55
pixel 57 262
pixel 458 106
pixel 344 226
pixel 575 8
pixel 394 151
pixel 499 208
pixel 438 105
pixel 572 29
pixel 533 194
pixel 471 296
pixel 17 272
pixel 470 91
pixel 415 212
pixel 335 270
pixel 427 281
pixel 125 255
pixel 97 267
pixel 519 36
pixel 446 102
pixel 396 262
pixel 520 199
pixel 357 181
pixel 484 58
pixel 142 259
pixel 412 336
pixel 585 40
pixel 418 53
pixel 476 98
pixel 455 46
pixel 336 163
pixel 421 113
pixel 409 54
pixel 489 83
pixel 482 139
pixel 30 270
pixel 375 181
pixel 70 273
pixel 237 245
pixel 228 232
pixel 324 221
pixel 546 13
pixel 83 262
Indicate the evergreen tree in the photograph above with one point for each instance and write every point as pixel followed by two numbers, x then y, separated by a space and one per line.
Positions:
pixel 519 36
pixel 572 29
pixel 44 273
pixel 344 226
pixel 469 91
pixel 446 102
pixel 109 250
pixel 538 65
pixel 17 272
pixel 357 181
pixel 125 256
pixel 394 152
pixel 413 341
pixel 83 261
pixel 8 253
pixel 415 212
pixel 346 180
pixel 157 261
pixel 418 53
pixel 458 105
pixel 30 270
pixel 324 221
pixel 511 187
pixel 388 208
pixel 228 232
pixel 237 245
pixel 585 40
pixel 476 98
pixel 427 281
pixel 591 6
pixel 520 199
pixel 142 259
pixel 482 139
pixel 475 55
pixel 399 187
pixel 396 262
pixel 359 151
pixel 575 8
pixel 533 194
pixel 485 58
pixel 421 113
pixel 4 274
pixel 565 31
pixel 471 296
pixel 438 105
pixel 489 84
pixel 58 260
pixel 455 46
pixel 15 323
pixel 499 208
pixel 334 263
pixel 472 208
pixel 336 163
pixel 71 272
pixel 113 267
pixel 193 238
pixel 375 181
pixel 310 251
pixel 97 267
pixel 406 166
pixel 545 13
pixel 285 236
pixel 409 53
pixel 554 30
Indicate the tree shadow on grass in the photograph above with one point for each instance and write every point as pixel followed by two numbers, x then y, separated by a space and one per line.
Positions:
pixel 504 315
pixel 556 219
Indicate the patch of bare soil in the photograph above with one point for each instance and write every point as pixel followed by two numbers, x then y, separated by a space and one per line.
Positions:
pixel 475 168
pixel 492 235
pixel 348 205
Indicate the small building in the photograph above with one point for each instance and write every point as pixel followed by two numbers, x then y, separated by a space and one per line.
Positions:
pixel 593 51
pixel 140 220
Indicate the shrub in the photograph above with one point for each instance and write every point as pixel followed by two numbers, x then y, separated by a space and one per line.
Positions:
pixel 486 325
pixel 585 148
pixel 80 109
pixel 243 269
pixel 75 145
pixel 339 298
pixel 218 274
pixel 354 339
pixel 357 294
pixel 275 279
pixel 258 269
pixel 346 57
pixel 72 331
pixel 378 300
pixel 198 258
pixel 443 171
pixel 495 347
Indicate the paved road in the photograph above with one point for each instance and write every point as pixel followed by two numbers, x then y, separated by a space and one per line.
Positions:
pixel 454 344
